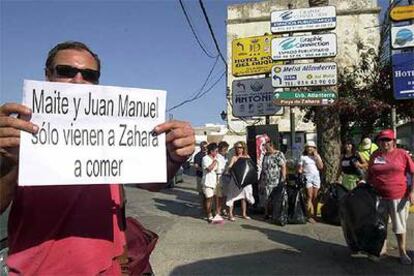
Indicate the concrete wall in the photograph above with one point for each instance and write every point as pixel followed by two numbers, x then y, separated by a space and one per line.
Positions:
pixel 357 21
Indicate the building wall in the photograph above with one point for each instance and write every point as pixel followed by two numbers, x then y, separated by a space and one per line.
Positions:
pixel 357 21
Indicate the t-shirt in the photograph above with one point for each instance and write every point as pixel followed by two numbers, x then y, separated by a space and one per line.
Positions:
pixel 221 163
pixel 198 159
pixel 209 178
pixel 309 165
pixel 387 173
pixel 65 230
pixel 366 154
pixel 348 165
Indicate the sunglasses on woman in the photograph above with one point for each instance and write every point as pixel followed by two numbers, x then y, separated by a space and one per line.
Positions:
pixel 67 71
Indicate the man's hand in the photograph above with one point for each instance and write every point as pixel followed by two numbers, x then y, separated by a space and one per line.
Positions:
pixel 180 139
pixel 10 127
pixel 411 197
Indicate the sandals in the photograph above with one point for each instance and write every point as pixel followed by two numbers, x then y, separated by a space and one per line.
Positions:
pixel 232 219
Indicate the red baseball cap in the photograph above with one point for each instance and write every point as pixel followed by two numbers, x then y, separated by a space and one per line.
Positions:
pixel 386 133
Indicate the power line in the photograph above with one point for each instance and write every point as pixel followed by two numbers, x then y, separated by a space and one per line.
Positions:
pixel 199 41
pixel 196 94
pixel 211 32
pixel 199 95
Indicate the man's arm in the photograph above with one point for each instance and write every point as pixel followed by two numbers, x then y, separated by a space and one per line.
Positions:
pixel 180 142
pixel 10 127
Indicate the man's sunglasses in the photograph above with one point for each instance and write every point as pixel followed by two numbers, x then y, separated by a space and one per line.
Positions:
pixel 67 71
pixel 385 139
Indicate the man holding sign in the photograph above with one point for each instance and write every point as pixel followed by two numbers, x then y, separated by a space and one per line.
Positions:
pixel 75 229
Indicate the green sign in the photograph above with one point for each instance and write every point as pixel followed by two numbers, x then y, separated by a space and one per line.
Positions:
pixel 292 95
pixel 300 98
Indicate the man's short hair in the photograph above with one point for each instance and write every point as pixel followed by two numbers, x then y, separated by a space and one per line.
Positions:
pixel 223 145
pixel 75 45
pixel 211 147
pixel 203 143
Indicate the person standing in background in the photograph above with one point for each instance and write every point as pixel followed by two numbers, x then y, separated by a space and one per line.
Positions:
pixel 234 193
pixel 387 173
pixel 273 174
pixel 223 178
pixel 198 159
pixel 365 149
pixel 209 182
pixel 351 166
pixel 310 163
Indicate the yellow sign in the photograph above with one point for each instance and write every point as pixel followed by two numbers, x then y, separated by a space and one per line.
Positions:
pixel 402 13
pixel 252 55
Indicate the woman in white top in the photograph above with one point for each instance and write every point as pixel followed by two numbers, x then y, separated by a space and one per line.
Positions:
pixel 309 164
pixel 234 193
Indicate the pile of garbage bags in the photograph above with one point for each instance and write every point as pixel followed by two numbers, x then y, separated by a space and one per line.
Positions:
pixel 330 199
pixel 288 204
pixel 363 220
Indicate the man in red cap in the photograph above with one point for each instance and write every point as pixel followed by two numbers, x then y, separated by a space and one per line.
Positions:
pixel 387 172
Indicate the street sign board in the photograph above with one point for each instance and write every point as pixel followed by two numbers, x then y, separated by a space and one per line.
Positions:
pixel 403 75
pixel 402 37
pixel 400 13
pixel 308 46
pixel 305 74
pixel 299 98
pixel 253 97
pixel 251 55
pixel 303 19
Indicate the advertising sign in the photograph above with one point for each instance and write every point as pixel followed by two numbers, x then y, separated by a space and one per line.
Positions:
pixel 309 46
pixel 299 98
pixel 307 74
pixel 403 75
pixel 400 13
pixel 251 55
pixel 92 134
pixel 253 97
pixel 303 19
pixel 402 37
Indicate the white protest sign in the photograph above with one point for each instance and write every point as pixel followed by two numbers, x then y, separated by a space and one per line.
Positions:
pixel 91 134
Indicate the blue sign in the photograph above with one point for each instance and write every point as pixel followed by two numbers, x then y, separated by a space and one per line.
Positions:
pixel 403 75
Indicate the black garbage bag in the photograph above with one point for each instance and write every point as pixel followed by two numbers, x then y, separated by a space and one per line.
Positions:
pixel 279 205
pixel 296 205
pixel 244 172
pixel 330 208
pixel 363 220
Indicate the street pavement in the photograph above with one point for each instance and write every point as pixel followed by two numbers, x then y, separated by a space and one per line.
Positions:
pixel 188 245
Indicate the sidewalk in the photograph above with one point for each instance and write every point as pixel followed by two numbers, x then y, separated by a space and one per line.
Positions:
pixel 189 245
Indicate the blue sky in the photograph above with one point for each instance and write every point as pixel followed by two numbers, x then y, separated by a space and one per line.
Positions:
pixel 144 44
